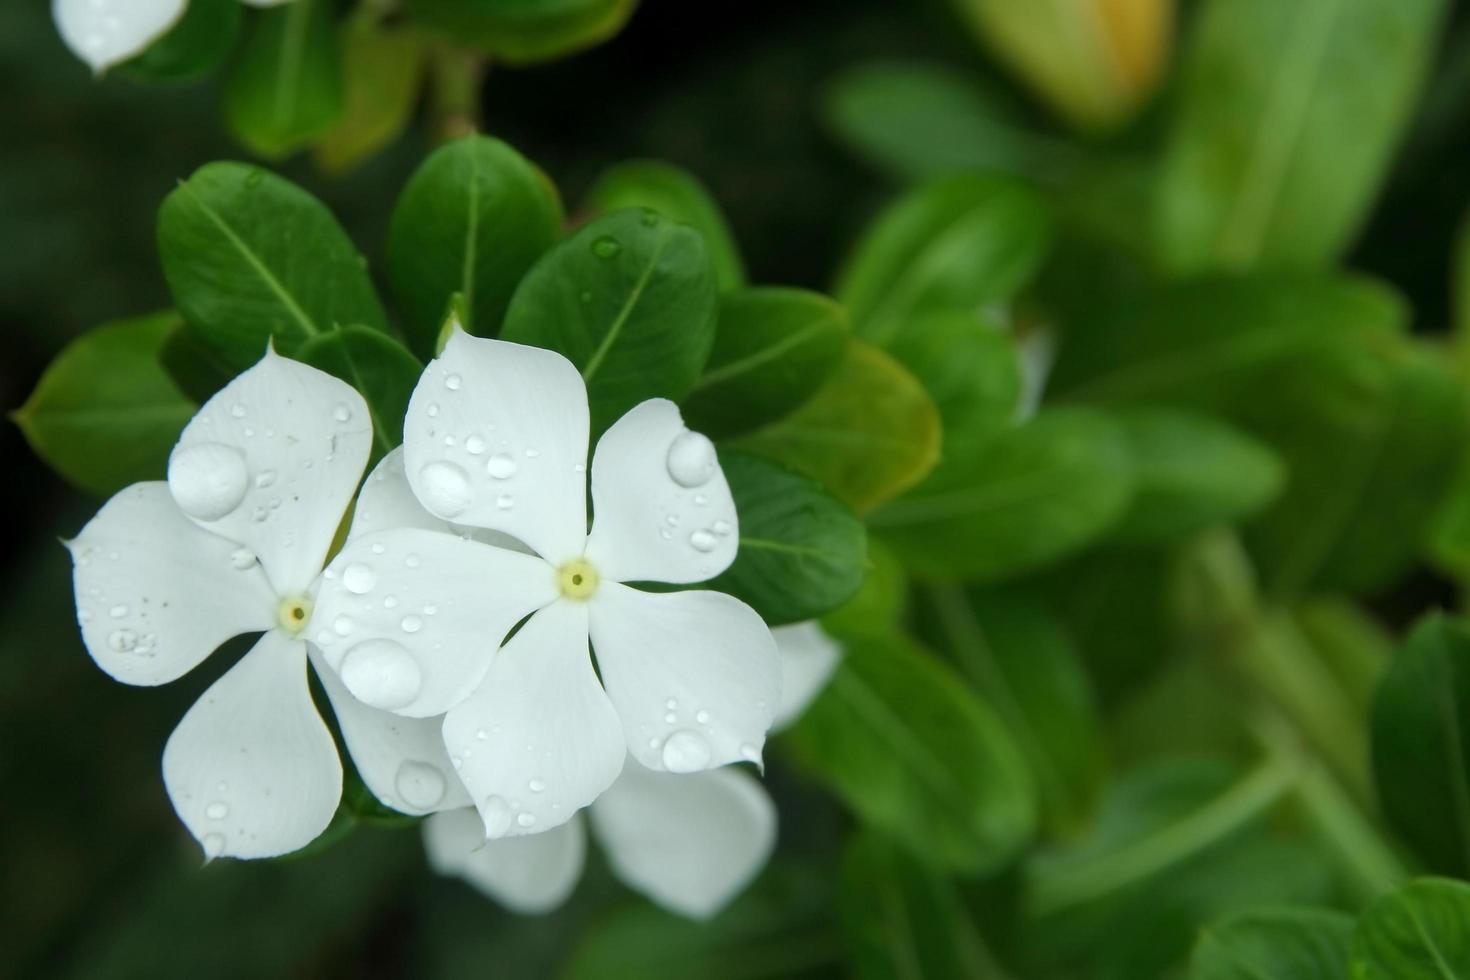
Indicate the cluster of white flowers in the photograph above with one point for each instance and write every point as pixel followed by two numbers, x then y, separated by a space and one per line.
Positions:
pixel 451 632
pixel 104 33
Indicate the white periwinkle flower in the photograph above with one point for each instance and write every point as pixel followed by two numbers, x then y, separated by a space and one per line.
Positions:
pixel 688 842
pixel 233 543
pixel 496 439
pixel 104 33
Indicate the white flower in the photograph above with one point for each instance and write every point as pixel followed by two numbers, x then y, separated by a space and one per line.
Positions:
pixel 688 842
pixel 104 33
pixel 233 544
pixel 496 439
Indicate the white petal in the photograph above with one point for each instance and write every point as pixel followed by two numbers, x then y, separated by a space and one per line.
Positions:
pixel 538 739
pixel 106 32
pixel 691 842
pixel 251 769
pixel 272 461
pixel 387 502
pixel 156 594
pixel 694 675
pixel 496 437
pixel 402 760
pixel 529 874
pixel 661 507
pixel 410 619
pixel 808 658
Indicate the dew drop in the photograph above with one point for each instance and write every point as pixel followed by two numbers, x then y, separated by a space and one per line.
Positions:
pixel 411 624
pixel 265 478
pixel 686 751
pixel 702 717
pixel 691 460
pixel 412 561
pixel 342 413
pixel 237 411
pixel 453 381
pixel 536 786
pixel 497 816
pixel 433 409
pixel 500 466
pixel 703 541
pixel 118 612
pixel 122 641
pixel 444 488
pixel 242 558
pixel 474 445
pixel 359 578
pixel 378 549
pixel 390 601
pixel 419 784
pixel 217 810
pixel 606 247
pixel 505 501
pixel 381 674
pixel 207 480
pixel 526 819
pixel 721 528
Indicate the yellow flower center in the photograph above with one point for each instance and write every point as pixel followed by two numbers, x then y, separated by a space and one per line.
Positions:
pixel 578 579
pixel 293 613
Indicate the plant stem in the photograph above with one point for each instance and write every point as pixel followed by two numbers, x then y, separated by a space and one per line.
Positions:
pixel 456 78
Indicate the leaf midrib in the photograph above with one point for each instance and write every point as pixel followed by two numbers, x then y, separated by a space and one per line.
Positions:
pixel 616 329
pixel 763 356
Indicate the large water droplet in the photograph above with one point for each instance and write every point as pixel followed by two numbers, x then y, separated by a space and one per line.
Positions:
pixel 500 466
pixel 691 460
pixel 606 247
pixel 703 541
pixel 419 784
pixel 207 479
pixel 359 578
pixel 686 751
pixel 382 674
pixel 444 488
pixel 497 816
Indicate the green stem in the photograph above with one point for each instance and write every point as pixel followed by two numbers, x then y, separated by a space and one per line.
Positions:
pixel 457 77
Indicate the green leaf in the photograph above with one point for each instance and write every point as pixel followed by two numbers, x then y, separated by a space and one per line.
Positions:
pixel 1192 471
pixel 880 603
pixel 1449 532
pixel 520 32
pixel 802 552
pixel 1274 944
pixel 1286 124
pixel 379 367
pixel 964 242
pixel 630 299
pixel 780 928
pixel 193 47
pixel 899 738
pixel 285 88
pixel 969 366
pixel 194 365
pixel 472 220
pixel 251 257
pixel 916 121
pixel 774 347
pixel 1421 743
pixel 1020 659
pixel 105 413
pixel 382 69
pixel 903 921
pixel 1420 932
pixel 867 435
pixel 1031 496
pixel 679 196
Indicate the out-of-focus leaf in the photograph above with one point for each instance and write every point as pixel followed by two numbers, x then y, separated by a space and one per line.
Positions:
pixel 1093 61
pixel 917 121
pixel 1420 932
pixel 194 364
pixel 522 32
pixel 1287 120
pixel 880 603
pixel 906 745
pixel 774 347
pixel 964 242
pixel 251 257
pixel 679 196
pixel 970 368
pixel 192 47
pixel 105 413
pixel 867 435
pixel 1279 943
pixel 1192 471
pixel 379 367
pixel 1032 495
pixel 1449 533
pixel 802 552
pixel 382 68
pixel 285 88
pixel 1421 728
pixel 1351 643
pixel 630 299
pixel 903 921
pixel 472 220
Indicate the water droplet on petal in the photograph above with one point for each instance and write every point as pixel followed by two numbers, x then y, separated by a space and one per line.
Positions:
pixel 526 819
pixel 433 409
pixel 606 247
pixel 207 480
pixel 691 460
pixel 411 624
pixel 217 810
pixel 242 558
pixel 122 641
pixel 500 466
pixel 382 674
pixel 237 411
pixel 359 578
pixel 497 816
pixel 453 382
pixel 265 478
pixel 721 528
pixel 118 612
pixel 342 413
pixel 703 541
pixel 686 751
pixel 536 786
pixel 505 501
pixel 419 784
pixel 702 717
pixel 444 488
pixel 474 445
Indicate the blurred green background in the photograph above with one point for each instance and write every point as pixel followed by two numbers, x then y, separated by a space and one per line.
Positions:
pixel 100 879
